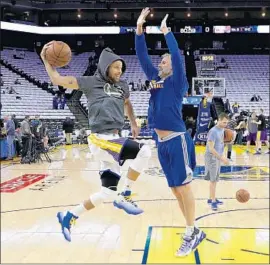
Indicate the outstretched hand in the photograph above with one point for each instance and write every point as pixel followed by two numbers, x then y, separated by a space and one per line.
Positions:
pixel 142 18
pixel 43 52
pixel 163 27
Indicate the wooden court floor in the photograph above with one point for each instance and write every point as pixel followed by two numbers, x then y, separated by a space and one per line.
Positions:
pixel 31 195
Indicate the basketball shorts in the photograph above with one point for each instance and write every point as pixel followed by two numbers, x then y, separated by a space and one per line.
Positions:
pixel 262 135
pixel 176 154
pixel 212 167
pixel 252 137
pixel 113 147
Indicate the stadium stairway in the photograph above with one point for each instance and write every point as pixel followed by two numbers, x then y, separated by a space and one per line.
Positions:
pixel 219 105
pixel 77 109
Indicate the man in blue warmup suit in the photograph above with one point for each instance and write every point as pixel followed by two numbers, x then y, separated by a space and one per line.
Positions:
pixel 176 150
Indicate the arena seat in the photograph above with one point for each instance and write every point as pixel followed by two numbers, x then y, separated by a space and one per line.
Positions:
pixel 246 75
pixel 33 66
pixel 33 100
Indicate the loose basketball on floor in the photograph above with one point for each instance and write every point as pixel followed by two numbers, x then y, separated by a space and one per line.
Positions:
pixel 242 195
pixel 58 54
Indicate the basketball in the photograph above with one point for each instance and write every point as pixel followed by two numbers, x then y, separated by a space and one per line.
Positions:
pixel 58 54
pixel 242 195
pixel 228 135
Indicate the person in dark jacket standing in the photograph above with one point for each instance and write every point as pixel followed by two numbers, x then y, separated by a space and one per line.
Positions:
pixel 10 127
pixel 68 126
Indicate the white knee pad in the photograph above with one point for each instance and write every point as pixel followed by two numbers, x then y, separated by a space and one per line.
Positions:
pixel 142 158
pixel 103 195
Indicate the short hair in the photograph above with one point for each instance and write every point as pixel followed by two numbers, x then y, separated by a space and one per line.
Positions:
pixel 261 110
pixel 165 55
pixel 223 115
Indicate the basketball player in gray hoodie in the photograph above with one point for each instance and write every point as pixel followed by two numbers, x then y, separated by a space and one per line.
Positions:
pixel 108 98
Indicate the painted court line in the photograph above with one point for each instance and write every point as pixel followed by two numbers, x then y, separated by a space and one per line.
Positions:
pixel 152 200
pixel 197 257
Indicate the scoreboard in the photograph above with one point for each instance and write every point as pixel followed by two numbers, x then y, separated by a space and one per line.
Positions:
pixel 208 65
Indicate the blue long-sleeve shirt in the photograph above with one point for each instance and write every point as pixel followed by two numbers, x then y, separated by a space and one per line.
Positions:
pixel 166 95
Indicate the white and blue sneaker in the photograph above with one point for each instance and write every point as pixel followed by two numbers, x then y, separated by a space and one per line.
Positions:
pixel 127 204
pixel 209 201
pixel 66 222
pixel 190 243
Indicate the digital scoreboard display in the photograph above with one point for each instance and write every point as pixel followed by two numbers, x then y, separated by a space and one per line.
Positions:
pixel 208 65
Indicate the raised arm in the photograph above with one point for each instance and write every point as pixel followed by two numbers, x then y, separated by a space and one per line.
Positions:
pixel 56 78
pixel 141 48
pixel 179 75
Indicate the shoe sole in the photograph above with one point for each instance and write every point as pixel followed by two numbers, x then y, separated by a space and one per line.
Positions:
pixel 60 220
pixel 122 208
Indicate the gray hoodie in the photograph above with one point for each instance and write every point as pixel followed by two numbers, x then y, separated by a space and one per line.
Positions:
pixel 105 99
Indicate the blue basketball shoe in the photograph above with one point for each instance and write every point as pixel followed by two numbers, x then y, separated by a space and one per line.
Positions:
pixel 66 222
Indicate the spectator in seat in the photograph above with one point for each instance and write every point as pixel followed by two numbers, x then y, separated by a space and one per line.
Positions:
pixel 56 100
pixel 17 82
pixel 12 91
pixel 62 101
pixel 68 126
pixel 254 98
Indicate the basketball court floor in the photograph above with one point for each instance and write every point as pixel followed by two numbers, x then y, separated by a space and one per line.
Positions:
pixel 31 196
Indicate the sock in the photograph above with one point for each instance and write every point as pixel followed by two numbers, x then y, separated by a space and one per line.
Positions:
pixel 78 210
pixel 229 154
pixel 128 184
pixel 189 230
